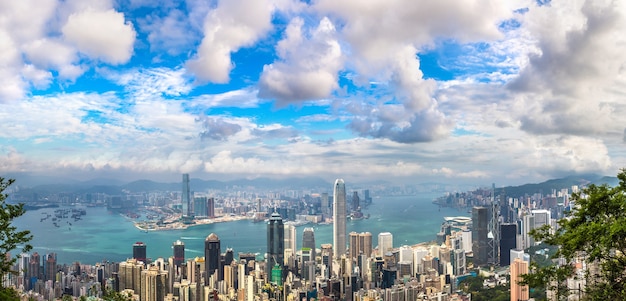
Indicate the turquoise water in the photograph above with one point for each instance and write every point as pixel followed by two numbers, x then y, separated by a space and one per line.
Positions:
pixel 103 235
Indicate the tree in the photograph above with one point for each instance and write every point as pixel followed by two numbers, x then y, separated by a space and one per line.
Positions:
pixel 594 231
pixel 10 238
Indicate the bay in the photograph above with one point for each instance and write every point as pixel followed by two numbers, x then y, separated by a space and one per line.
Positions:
pixel 104 235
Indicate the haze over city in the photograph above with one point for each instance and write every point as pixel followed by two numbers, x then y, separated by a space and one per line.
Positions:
pixel 451 91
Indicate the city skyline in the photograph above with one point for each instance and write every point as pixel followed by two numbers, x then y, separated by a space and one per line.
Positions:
pixel 479 92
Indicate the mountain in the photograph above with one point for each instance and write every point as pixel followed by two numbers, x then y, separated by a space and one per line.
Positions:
pixel 557 184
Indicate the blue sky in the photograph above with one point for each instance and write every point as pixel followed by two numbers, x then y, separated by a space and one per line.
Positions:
pixel 469 92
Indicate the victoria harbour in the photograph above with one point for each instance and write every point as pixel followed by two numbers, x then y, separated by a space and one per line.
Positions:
pixel 104 235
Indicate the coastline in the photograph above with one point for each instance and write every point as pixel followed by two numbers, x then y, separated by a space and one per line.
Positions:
pixel 146 226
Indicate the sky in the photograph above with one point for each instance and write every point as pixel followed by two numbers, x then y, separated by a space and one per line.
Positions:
pixel 409 91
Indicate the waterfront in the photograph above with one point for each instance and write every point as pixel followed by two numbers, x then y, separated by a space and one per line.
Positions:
pixel 104 235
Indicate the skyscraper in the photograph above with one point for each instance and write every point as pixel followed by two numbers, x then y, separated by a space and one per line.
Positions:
pixel 210 207
pixel 339 218
pixel 518 268
pixel 308 241
pixel 275 242
pixel 508 242
pixel 51 267
pixel 290 237
pixel 385 243
pixel 139 252
pixel 212 253
pixel 186 198
pixel 480 244
pixel 179 253
pixel 360 244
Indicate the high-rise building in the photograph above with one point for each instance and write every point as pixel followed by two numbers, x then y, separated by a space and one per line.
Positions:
pixel 290 237
pixel 200 206
pixel 360 244
pixel 519 292
pixel 139 252
pixel 308 241
pixel 356 201
pixel 210 207
pixel 212 252
pixel 480 245
pixel 327 258
pixel 186 197
pixel 325 205
pixel 179 253
pixel 51 267
pixel 153 284
pixel 508 242
pixel 385 243
pixel 275 242
pixel 339 218
pixel 34 269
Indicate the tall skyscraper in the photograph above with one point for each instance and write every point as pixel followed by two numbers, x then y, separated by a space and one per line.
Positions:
pixel 339 218
pixel 508 242
pixel 212 252
pixel 356 201
pixel 210 207
pixel 153 284
pixel 360 244
pixel 139 252
pixel 480 244
pixel 308 241
pixel 179 253
pixel 200 206
pixel 518 268
pixel 275 242
pixel 290 237
pixel 186 197
pixel 385 243
pixel 51 267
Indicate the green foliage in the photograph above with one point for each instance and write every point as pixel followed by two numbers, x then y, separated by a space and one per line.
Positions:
pixel 10 238
pixel 9 294
pixel 596 232
pixel 111 295
pixel 474 285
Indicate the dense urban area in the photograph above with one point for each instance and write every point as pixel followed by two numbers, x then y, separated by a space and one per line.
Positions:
pixel 471 258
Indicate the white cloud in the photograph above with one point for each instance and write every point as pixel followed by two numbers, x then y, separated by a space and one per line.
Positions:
pixel 148 83
pixel 230 26
pixel 569 85
pixel 308 64
pixel 101 34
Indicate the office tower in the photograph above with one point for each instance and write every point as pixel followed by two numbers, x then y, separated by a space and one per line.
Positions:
pixel 290 238
pixel 229 256
pixel 493 228
pixel 139 252
pixel 325 205
pixel 356 202
pixel 210 207
pixel 308 241
pixel 50 268
pixel 518 292
pixel 528 224
pixel 366 196
pixel 339 218
pixel 508 242
pixel 212 253
pixel 480 245
pixel 200 206
pixel 34 269
pixel 153 284
pixel 385 243
pixel 130 275
pixel 275 243
pixel 186 198
pixel 327 257
pixel 179 253
pixel 360 244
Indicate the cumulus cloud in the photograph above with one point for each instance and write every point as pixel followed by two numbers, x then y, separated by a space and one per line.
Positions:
pixel 101 34
pixel 227 28
pixel 216 128
pixel 308 64
pixel 171 33
pixel 567 86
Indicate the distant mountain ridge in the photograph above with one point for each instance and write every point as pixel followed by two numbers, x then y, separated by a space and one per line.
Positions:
pixel 94 186
pixel 557 184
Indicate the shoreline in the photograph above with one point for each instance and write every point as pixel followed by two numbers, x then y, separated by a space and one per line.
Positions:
pixel 146 226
